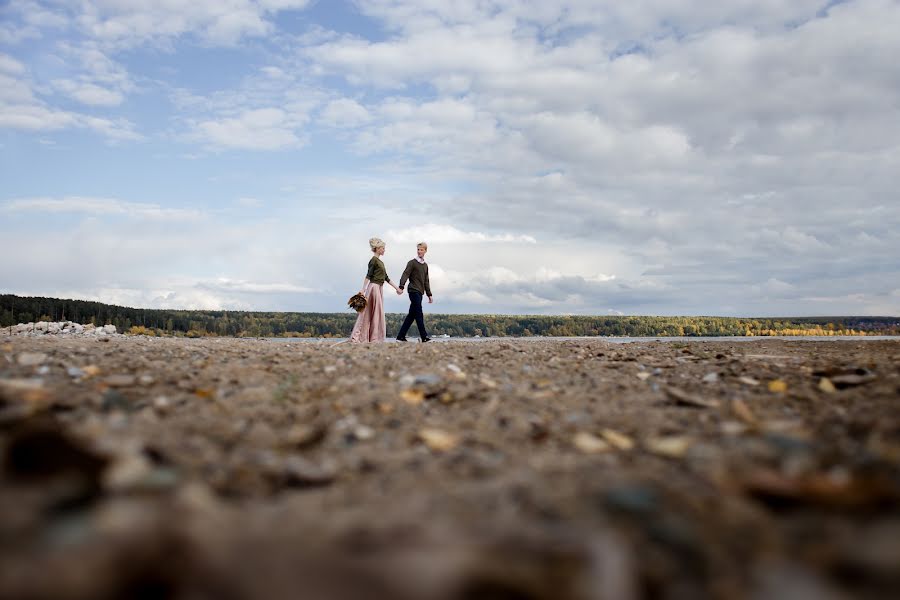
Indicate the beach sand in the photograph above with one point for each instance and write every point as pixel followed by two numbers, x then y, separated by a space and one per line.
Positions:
pixel 559 469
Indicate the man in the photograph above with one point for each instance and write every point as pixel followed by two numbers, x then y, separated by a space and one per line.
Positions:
pixel 417 273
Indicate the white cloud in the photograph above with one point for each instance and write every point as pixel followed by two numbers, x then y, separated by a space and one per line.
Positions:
pixel 97 207
pixel 10 65
pixel 89 93
pixel 258 129
pixel 344 112
pixel 447 234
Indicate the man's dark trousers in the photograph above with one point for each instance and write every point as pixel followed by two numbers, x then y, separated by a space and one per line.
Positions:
pixel 415 313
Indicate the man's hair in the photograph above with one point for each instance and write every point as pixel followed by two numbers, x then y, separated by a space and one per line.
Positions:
pixel 422 245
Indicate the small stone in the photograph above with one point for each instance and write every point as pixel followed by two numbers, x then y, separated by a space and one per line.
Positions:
pixel 643 375
pixel 826 386
pixel 589 443
pixel 413 397
pixel 437 439
pixel 670 446
pixel 31 359
pixel 778 386
pixel 299 472
pixel 363 432
pixel 92 370
pixel 75 372
pixel 748 381
pixel 120 380
pixel 162 404
pixel 146 380
pixel 711 377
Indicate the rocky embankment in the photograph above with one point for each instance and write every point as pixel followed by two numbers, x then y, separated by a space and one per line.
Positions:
pixel 62 328
pixel 536 470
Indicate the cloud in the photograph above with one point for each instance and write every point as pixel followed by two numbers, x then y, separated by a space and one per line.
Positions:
pixel 259 129
pixel 97 207
pixel 212 21
pixel 447 234
pixel 10 65
pixel 344 112
pixel 89 93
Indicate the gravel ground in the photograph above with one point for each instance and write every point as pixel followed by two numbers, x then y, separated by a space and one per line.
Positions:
pixel 577 469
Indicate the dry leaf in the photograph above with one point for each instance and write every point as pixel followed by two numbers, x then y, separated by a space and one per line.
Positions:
pixel 778 386
pixel 643 375
pixel 686 399
pixel 619 440
pixel 589 443
pixel 743 412
pixel 437 439
pixel 413 397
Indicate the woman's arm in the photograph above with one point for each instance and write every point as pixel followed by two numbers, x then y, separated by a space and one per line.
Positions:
pixel 365 286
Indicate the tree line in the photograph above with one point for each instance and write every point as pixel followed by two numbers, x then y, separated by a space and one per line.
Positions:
pixel 195 323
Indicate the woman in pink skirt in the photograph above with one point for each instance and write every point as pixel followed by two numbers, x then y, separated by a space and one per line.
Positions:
pixel 370 322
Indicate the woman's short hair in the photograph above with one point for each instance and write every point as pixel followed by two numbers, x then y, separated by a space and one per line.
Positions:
pixel 376 243
pixel 422 245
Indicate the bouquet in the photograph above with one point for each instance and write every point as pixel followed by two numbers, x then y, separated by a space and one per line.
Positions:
pixel 357 302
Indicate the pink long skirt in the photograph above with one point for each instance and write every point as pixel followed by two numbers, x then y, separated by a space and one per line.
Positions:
pixel 370 325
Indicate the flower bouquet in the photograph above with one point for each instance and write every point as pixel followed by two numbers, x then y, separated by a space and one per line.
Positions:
pixel 357 302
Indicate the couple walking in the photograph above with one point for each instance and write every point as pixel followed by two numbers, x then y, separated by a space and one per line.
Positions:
pixel 370 325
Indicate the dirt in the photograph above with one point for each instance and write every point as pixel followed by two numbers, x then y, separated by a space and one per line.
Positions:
pixel 517 469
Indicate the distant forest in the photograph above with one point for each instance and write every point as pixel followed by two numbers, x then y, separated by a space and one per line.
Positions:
pixel 197 323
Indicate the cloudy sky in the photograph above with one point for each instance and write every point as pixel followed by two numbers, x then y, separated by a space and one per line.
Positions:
pixel 662 157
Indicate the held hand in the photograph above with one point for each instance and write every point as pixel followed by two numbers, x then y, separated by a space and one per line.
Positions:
pixel 399 292
pixel 430 300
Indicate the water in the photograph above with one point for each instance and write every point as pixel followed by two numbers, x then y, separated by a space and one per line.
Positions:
pixel 619 340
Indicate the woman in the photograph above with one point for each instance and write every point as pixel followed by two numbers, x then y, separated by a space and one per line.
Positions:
pixel 370 322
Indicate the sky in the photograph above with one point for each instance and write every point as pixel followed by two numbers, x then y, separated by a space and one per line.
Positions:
pixel 650 157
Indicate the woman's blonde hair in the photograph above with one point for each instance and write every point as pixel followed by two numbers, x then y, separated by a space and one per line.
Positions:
pixel 376 243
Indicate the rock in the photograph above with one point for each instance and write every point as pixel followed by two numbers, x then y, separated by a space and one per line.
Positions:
pixel 109 329
pixel 120 380
pixel 304 436
pixel 643 375
pixel 412 396
pixel 75 372
pixel 31 359
pixel 299 472
pixel 437 439
pixel 363 432
pixel 670 446
pixel 825 385
pixel 711 377
pixel 778 386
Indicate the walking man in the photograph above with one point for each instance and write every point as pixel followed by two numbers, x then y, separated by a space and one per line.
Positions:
pixel 417 273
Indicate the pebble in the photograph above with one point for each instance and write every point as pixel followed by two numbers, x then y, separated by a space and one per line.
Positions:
pixel 31 359
pixel 711 377
pixel 438 439
pixel 120 380
pixel 589 443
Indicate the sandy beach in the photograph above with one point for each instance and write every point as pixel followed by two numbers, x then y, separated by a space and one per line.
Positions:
pixel 575 469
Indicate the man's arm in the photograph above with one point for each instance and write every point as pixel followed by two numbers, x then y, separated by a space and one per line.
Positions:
pixel 405 275
pixel 427 284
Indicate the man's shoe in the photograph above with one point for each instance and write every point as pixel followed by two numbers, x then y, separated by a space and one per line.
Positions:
pixel 403 339
pixel 426 339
